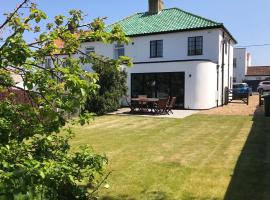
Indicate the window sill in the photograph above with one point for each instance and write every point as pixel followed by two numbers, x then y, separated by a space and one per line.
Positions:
pixel 196 55
pixel 157 57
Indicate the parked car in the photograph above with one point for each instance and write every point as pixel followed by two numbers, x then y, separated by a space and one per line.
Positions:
pixel 241 90
pixel 264 86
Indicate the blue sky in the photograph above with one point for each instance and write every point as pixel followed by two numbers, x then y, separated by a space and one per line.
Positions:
pixel 247 20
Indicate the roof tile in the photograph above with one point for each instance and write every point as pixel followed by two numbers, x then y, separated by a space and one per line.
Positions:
pixel 258 71
pixel 168 20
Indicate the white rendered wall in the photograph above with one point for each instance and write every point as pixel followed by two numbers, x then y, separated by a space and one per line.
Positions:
pixel 200 88
pixel 240 54
pixel 227 67
pixel 175 46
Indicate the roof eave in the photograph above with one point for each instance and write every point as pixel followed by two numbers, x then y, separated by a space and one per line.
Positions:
pixel 228 32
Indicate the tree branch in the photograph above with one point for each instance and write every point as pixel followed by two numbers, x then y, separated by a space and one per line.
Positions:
pixel 12 14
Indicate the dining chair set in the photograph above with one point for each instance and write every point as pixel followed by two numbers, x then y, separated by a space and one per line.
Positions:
pixel 158 106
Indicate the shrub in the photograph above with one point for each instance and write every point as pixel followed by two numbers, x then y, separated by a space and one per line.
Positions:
pixel 113 86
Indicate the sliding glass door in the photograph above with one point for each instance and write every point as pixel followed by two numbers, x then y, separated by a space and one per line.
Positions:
pixel 159 85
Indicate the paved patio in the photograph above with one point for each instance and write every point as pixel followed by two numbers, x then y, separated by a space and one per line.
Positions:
pixel 177 114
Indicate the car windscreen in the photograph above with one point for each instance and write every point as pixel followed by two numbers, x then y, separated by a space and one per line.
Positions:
pixel 238 86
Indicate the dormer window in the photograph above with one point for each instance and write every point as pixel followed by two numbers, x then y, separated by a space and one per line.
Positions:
pixel 119 50
pixel 156 48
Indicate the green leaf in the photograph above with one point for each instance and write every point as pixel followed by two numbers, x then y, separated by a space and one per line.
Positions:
pixel 42 175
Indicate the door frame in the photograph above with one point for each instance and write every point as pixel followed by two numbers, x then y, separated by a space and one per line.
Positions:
pixel 170 83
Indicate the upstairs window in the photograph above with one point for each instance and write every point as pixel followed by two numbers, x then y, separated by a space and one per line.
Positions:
pixel 48 62
pixel 195 46
pixel 226 47
pixel 234 62
pixel 119 50
pixel 89 50
pixel 156 48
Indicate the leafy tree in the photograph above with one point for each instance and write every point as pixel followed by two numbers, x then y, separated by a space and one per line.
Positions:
pixel 112 87
pixel 36 160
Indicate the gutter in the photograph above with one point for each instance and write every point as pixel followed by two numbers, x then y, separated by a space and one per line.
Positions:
pixel 217 84
pixel 229 53
pixel 222 69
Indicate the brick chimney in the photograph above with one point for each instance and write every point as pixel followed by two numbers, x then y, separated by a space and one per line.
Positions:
pixel 155 6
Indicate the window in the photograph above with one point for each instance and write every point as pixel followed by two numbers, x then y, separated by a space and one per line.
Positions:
pixel 48 62
pixel 234 62
pixel 156 48
pixel 119 50
pixel 195 46
pixel 234 79
pixel 89 50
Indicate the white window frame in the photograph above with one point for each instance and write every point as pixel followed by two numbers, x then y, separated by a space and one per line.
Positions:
pixel 48 62
pixel 117 48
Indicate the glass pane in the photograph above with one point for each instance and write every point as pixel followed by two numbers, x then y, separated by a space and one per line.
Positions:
pixel 153 52
pixel 159 48
pixel 149 85
pixel 119 50
pixel 199 45
pixel 163 85
pixel 178 88
pixel 136 85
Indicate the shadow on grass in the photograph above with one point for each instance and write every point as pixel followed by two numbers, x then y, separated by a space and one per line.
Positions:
pixel 153 195
pixel 251 177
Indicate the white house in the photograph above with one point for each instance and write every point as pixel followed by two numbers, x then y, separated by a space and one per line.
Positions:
pixel 241 62
pixel 175 53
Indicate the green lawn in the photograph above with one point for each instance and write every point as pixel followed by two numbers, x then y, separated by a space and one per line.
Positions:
pixel 200 157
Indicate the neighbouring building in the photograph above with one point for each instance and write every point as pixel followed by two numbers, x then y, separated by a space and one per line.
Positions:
pixel 175 53
pixel 17 78
pixel 241 62
pixel 257 74
pixel 243 71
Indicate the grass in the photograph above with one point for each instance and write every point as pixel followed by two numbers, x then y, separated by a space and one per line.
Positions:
pixel 200 157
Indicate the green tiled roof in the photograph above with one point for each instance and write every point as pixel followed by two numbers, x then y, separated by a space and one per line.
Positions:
pixel 168 20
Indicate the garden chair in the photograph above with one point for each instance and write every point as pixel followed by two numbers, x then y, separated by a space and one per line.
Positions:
pixel 171 105
pixel 143 105
pixel 131 105
pixel 161 106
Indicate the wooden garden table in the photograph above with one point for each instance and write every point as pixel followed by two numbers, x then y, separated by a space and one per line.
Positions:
pixel 144 104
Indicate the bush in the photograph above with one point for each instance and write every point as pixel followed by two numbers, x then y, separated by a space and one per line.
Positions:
pixel 112 82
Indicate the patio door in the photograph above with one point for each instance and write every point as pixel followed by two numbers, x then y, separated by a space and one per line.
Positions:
pixel 159 85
